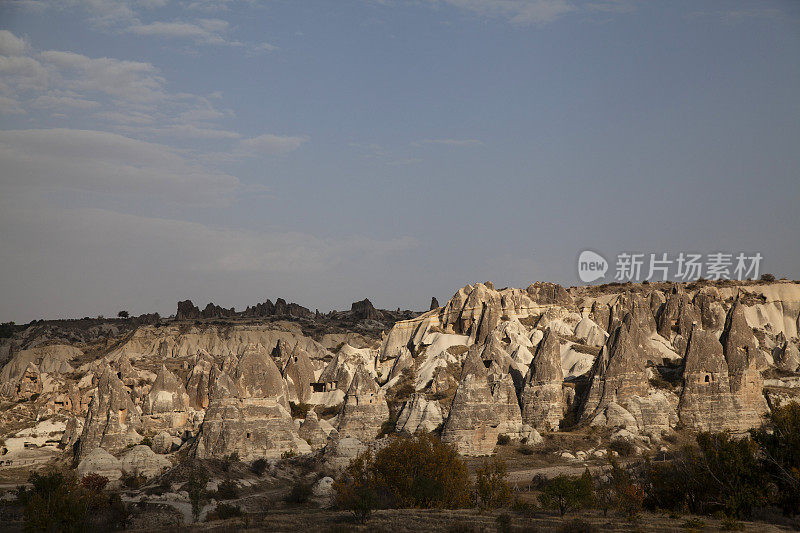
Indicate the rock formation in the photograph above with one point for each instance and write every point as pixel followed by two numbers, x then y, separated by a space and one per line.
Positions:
pixel 364 310
pixel 298 371
pixel 364 410
pixel 745 362
pixel 112 417
pixel 419 415
pixel 198 386
pixel 311 431
pixel 706 402
pixel 143 461
pixel 473 421
pixel 187 311
pixel 167 403
pixel 249 412
pixel 434 303
pixel 543 404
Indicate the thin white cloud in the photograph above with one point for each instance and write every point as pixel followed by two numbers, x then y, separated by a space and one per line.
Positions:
pixel 452 142
pixel 60 102
pixel 269 144
pixel 11 45
pixel 102 162
pixel 522 12
pixel 11 106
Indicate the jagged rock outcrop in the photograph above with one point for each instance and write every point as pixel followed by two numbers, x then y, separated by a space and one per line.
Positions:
pixel 215 311
pixel 249 412
pixel 419 415
pixel 745 362
pixel 364 410
pixel 619 372
pixel 473 421
pixel 706 402
pixel 434 303
pixel 112 417
pixel 677 316
pixel 543 403
pixel 187 311
pixel 364 310
pixel 549 293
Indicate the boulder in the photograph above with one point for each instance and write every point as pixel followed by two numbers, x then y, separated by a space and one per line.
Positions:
pixel 142 461
pixel 99 461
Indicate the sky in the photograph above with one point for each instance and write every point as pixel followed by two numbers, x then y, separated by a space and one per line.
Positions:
pixel 238 150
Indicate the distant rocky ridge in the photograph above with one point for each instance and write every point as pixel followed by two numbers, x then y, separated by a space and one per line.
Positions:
pixel 642 361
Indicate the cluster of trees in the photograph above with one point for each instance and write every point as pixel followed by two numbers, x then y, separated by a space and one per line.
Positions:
pixel 57 501
pixel 720 474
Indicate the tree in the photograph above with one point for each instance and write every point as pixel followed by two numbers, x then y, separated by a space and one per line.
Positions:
pixel 491 486
pixel 567 493
pixel 123 314
pixel 416 471
pixel 196 487
pixel 779 446
pixel 54 502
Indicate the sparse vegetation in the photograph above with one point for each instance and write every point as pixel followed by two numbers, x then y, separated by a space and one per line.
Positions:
pixel 567 493
pixel 259 466
pixel 299 410
pixel 300 493
pixel 491 486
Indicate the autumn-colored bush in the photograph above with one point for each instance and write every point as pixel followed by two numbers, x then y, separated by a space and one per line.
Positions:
pixel 491 486
pixel 416 471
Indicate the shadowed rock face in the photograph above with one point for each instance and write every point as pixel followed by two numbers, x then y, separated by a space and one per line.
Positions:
pixel 619 372
pixel 786 355
pixel 187 311
pixel 745 362
pixel 549 293
pixel 472 425
pixel 112 415
pixel 199 384
pixel 677 314
pixel 706 402
pixel 504 395
pixel 434 303
pixel 364 310
pixel 364 410
pixel 542 399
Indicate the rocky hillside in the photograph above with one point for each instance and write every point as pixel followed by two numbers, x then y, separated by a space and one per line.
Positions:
pixel 639 362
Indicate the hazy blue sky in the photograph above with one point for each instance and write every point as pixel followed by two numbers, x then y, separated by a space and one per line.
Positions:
pixel 326 151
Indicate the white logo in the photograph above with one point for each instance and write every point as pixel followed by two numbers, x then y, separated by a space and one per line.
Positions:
pixel 591 266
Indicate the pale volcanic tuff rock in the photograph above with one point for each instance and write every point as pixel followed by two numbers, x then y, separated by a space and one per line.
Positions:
pixel 112 417
pixel 504 394
pixel 745 362
pixel 706 402
pixel 143 461
pixel 786 355
pixel 543 403
pixel 619 372
pixel 199 384
pixel 473 421
pixel 298 371
pixel 249 412
pixel 166 405
pixel 419 415
pixel 312 431
pixel 364 409
pixel 99 461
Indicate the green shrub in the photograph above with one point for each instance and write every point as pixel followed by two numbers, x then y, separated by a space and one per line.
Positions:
pixel 259 466
pixel 227 490
pixel 567 493
pixel 299 410
pixel 779 444
pixel 416 471
pixel 54 502
pixel 526 449
pixel 491 486
pixel 223 511
pixel 503 440
pixel 300 493
pixel 623 447
pixel 147 442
